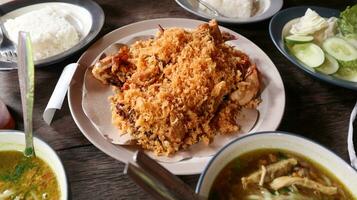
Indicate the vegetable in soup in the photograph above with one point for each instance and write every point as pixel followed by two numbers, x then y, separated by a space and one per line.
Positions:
pixel 26 178
pixel 276 175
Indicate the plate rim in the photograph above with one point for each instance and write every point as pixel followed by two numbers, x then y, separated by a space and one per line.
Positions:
pixel 278 5
pixel 94 9
pixel 74 101
pixel 277 42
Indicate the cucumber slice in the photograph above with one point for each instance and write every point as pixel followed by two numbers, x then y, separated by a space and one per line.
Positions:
pixel 330 65
pixel 352 41
pixel 299 38
pixel 309 53
pixel 339 49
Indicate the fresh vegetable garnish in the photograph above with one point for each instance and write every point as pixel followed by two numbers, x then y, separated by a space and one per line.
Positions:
pixel 347 22
pixel 352 40
pixel 309 23
pixel 349 64
pixel 348 70
pixel 339 49
pixel 336 36
pixel 27 178
pixel 309 53
pixel 19 170
pixel 330 66
pixel 347 73
pixel 299 38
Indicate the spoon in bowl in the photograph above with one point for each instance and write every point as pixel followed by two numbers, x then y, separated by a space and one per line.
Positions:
pixel 8 53
pixel 213 10
pixel 26 73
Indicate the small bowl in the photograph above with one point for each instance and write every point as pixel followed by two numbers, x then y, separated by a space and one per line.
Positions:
pixel 277 140
pixel 11 140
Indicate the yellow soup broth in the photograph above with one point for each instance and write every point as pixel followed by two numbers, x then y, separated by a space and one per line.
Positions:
pixel 26 178
pixel 237 181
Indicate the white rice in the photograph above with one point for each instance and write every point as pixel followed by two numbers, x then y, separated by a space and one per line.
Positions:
pixel 51 33
pixel 231 8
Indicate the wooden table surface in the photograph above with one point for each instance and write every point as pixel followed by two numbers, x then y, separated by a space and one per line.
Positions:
pixel 314 109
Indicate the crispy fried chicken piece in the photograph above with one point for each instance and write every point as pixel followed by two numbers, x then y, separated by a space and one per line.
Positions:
pixel 247 89
pixel 114 69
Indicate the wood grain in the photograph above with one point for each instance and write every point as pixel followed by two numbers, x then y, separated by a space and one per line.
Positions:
pixel 314 109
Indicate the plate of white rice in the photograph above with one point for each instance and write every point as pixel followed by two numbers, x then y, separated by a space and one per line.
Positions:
pixel 233 11
pixel 57 29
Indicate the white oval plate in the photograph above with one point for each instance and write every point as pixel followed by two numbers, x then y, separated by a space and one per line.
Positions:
pixel 86 16
pixel 266 9
pixel 271 109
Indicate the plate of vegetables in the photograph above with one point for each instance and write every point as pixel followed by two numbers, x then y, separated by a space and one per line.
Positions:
pixel 320 41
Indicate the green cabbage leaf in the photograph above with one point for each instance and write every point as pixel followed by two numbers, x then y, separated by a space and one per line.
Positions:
pixel 347 23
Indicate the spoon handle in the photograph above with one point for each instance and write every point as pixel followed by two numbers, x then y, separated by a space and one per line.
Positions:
pixel 210 8
pixel 172 186
pixel 350 145
pixel 146 181
pixel 26 72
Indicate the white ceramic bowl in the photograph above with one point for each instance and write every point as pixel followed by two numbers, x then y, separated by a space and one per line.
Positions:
pixel 277 140
pixel 15 140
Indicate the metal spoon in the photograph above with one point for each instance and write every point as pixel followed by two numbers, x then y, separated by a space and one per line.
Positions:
pixel 1 33
pixel 26 72
pixel 157 180
pixel 216 13
pixel 8 49
pixel 211 8
pixel 247 119
pixel 8 55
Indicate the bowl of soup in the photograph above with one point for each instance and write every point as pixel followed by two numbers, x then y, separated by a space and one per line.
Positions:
pixel 39 178
pixel 277 165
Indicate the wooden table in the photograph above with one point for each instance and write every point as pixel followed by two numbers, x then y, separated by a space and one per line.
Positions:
pixel 314 109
